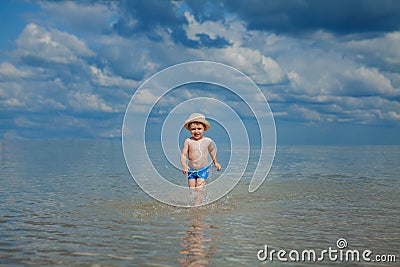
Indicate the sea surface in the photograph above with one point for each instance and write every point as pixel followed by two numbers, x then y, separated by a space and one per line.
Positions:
pixel 74 203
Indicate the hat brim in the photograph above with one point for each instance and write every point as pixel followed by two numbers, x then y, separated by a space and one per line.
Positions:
pixel 200 120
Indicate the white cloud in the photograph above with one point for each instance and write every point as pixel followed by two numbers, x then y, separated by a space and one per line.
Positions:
pixel 331 86
pixel 52 103
pixel 304 113
pixel 383 50
pixel 75 84
pixel 131 58
pixel 91 18
pixel 231 30
pixel 9 72
pixel 145 96
pixel 51 46
pixel 315 78
pixel 261 69
pixel 22 121
pixel 12 103
pixel 394 115
pixel 251 61
pixel 12 95
pixel 88 102
pixel 364 81
pixel 105 78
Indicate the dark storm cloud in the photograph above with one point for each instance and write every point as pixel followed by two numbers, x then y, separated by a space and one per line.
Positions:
pixel 204 40
pixel 300 16
pixel 150 14
pixel 149 17
pixel 206 10
pixel 146 17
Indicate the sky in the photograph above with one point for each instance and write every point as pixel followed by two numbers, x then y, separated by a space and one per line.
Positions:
pixel 330 70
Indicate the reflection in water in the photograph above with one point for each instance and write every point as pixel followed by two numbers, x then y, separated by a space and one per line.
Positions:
pixel 197 246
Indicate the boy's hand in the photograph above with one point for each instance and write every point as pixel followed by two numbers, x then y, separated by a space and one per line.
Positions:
pixel 185 169
pixel 217 166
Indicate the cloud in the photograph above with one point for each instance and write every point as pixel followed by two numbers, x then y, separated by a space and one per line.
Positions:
pixel 146 17
pixel 262 69
pixel 85 17
pixel 58 63
pixel 77 64
pixel 103 77
pixel 299 17
pixel 88 102
pixel 151 13
pixel 130 59
pixel 153 19
pixel 145 96
pixel 209 33
pixel 54 75
pixel 11 103
pixel 38 44
pixel 382 52
pixel 394 115
pixel 323 84
pixel 9 72
pixel 367 82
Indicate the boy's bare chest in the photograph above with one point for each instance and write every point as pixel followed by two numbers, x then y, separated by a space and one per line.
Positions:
pixel 198 146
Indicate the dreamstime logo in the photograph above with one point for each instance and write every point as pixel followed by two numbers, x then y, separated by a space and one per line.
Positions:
pixel 153 124
pixel 341 254
pixel 341 243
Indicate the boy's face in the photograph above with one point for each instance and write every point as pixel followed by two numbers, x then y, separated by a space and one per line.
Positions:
pixel 196 130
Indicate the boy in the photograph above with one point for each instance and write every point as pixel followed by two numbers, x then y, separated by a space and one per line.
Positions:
pixel 196 149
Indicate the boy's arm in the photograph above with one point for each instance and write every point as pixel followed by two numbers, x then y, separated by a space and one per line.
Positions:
pixel 213 153
pixel 184 154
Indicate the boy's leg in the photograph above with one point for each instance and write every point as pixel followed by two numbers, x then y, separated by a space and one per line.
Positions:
pixel 192 183
pixel 200 182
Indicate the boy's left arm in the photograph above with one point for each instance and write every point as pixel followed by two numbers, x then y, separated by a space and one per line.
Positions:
pixel 213 153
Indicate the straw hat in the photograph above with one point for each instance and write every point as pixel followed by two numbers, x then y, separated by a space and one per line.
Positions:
pixel 197 117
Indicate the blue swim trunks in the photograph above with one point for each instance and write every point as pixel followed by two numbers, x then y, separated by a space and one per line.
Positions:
pixel 201 173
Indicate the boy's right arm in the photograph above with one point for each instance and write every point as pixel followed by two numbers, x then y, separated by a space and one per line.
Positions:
pixel 184 154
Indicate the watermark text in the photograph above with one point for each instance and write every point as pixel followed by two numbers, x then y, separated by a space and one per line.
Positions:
pixel 340 253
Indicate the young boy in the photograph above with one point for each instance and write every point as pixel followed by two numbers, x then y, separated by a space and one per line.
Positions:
pixel 196 149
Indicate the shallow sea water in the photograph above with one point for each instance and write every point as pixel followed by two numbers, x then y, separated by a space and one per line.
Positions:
pixel 74 203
